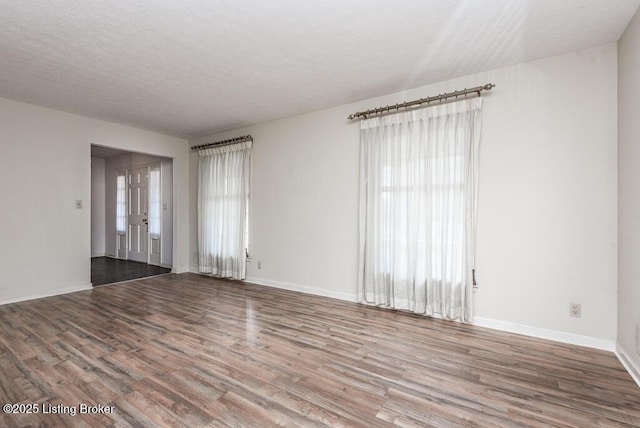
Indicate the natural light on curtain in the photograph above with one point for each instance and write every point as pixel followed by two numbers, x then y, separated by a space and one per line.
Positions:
pixel 121 204
pixel 154 201
pixel 223 196
pixel 418 197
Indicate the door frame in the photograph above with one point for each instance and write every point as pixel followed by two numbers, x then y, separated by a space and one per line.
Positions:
pixel 169 246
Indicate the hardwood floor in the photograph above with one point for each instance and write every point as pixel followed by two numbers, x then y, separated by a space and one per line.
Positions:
pixel 106 270
pixel 186 350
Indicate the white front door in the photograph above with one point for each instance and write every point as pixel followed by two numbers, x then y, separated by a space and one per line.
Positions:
pixel 138 220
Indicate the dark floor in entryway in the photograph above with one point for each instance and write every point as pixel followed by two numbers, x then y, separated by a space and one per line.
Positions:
pixel 105 270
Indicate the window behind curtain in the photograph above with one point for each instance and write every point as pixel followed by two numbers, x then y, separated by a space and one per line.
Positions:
pixel 121 203
pixel 410 188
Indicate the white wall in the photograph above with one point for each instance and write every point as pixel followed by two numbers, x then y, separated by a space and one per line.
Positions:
pixel 629 193
pixel 547 220
pixel 97 207
pixel 44 168
pixel 130 160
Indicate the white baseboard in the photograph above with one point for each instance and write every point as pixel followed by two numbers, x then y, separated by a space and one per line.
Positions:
pixel 303 289
pixel 295 287
pixel 178 269
pixel 543 333
pixel 46 293
pixel 629 364
pixel 98 255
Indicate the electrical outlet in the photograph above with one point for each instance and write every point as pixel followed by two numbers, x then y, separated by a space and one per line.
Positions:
pixel 79 204
pixel 259 264
pixel 575 310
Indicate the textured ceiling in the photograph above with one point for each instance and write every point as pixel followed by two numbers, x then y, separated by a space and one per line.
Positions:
pixel 188 68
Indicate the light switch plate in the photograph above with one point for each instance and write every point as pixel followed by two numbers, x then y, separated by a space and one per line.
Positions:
pixel 79 204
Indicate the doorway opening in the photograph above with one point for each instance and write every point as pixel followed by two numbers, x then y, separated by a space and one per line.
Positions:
pixel 131 215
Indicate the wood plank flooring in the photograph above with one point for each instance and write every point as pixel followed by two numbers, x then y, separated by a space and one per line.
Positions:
pixel 189 351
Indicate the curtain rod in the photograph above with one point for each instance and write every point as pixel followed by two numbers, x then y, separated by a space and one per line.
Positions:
pixel 223 142
pixel 408 104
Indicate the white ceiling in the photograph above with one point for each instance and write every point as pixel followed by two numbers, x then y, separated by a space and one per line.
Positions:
pixel 188 68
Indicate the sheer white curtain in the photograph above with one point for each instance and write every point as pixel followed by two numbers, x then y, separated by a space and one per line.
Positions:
pixel 154 201
pixel 418 196
pixel 121 203
pixel 223 198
